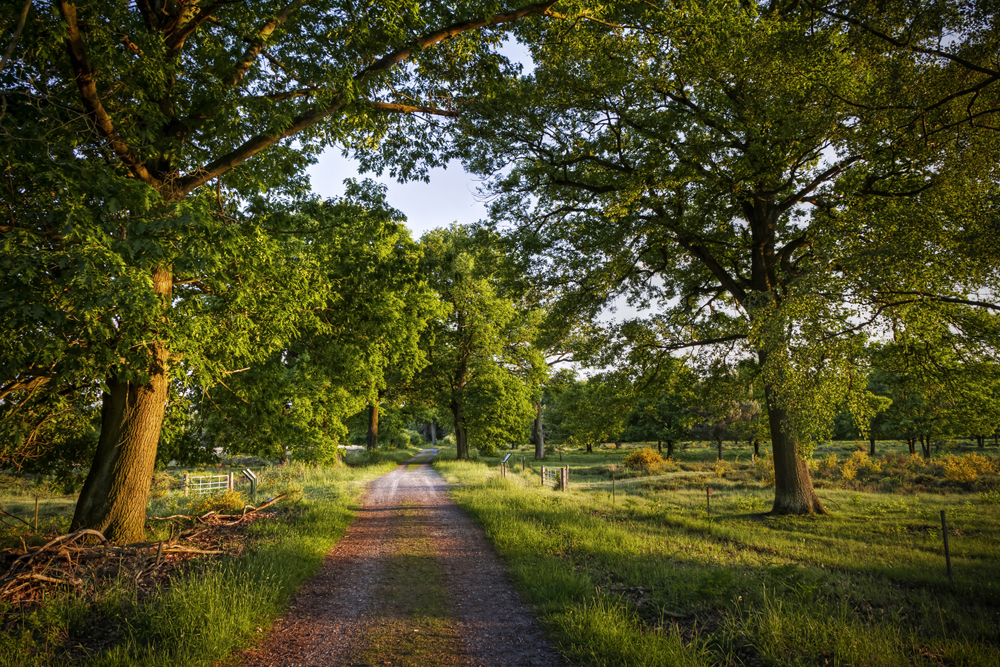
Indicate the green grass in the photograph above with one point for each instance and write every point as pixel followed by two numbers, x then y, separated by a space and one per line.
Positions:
pixel 652 579
pixel 220 606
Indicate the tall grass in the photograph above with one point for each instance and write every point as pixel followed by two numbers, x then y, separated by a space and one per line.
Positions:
pixel 217 607
pixel 653 579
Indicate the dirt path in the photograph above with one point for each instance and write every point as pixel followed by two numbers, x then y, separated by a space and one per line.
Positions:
pixel 413 582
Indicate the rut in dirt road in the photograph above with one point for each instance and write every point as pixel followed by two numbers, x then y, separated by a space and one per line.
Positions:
pixel 413 582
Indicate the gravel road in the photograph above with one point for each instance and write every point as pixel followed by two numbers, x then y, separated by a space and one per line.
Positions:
pixel 341 612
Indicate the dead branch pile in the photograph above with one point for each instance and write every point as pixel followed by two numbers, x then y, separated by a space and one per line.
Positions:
pixel 84 559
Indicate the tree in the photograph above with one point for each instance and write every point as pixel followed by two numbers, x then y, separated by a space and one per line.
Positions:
pixel 664 411
pixel 767 180
pixel 358 345
pixel 594 411
pixel 482 367
pixel 138 136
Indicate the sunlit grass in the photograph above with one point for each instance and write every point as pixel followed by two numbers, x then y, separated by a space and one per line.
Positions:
pixel 648 576
pixel 219 606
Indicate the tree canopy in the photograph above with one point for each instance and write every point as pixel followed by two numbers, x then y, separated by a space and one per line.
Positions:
pixel 770 181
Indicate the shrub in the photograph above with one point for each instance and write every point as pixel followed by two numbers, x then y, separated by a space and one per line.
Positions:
pixel 764 468
pixel 966 468
pixel 644 458
pixel 828 465
pixel 227 502
pixel 858 461
pixel 990 497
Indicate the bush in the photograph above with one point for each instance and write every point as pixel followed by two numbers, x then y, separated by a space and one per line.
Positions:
pixel 644 458
pixel 966 468
pixel 227 502
pixel 858 461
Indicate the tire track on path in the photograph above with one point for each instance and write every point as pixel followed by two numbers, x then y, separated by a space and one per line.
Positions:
pixel 414 581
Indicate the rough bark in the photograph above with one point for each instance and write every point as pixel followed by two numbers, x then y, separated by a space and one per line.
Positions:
pixel 539 428
pixel 925 445
pixel 670 449
pixel 793 489
pixel 113 498
pixel 434 434
pixel 371 441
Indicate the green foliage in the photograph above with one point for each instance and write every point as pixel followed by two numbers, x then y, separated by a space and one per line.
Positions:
pixel 710 165
pixel 372 306
pixel 483 368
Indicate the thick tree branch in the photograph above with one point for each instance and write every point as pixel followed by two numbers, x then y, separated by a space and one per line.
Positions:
pixel 948 299
pixel 430 39
pixel 904 44
pixel 92 101
pixel 22 19
pixel 306 120
pixel 175 42
pixel 252 52
pixel 406 108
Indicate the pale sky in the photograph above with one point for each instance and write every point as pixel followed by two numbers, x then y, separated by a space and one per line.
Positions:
pixel 449 197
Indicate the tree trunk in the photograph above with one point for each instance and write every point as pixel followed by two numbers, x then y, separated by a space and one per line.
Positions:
pixel 925 444
pixel 539 428
pixel 720 449
pixel 981 441
pixel 113 498
pixel 659 446
pixel 372 439
pixel 756 447
pixel 871 446
pixel 434 433
pixel 670 449
pixel 590 448
pixel 793 489
pixel 909 442
pixel 461 435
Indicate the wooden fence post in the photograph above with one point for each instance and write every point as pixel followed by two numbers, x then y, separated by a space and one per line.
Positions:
pixel 565 478
pixel 184 483
pixel 947 553
pixel 543 475
pixel 229 482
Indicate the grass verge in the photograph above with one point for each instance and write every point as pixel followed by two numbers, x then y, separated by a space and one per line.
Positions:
pixel 215 608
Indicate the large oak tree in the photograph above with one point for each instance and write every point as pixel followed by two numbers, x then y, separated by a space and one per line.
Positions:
pixel 138 137
pixel 772 180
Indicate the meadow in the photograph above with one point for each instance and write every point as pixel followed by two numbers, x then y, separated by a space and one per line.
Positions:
pixel 629 566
